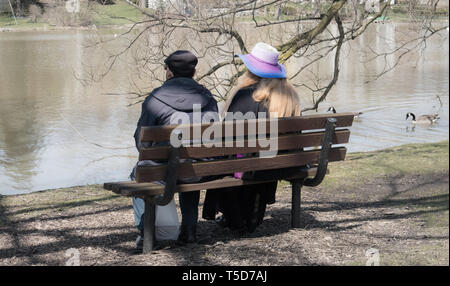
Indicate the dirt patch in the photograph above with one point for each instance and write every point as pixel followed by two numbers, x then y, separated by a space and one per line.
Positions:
pixel 404 217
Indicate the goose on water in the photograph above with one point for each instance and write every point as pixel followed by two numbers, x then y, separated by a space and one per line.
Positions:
pixel 423 119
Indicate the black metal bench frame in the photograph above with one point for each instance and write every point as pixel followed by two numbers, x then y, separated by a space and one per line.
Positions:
pixel 172 175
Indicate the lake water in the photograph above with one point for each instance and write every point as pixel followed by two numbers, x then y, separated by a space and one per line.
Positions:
pixel 50 123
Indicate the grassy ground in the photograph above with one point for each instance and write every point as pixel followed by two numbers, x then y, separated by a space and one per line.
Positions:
pixel 118 14
pixel 7 21
pixel 393 200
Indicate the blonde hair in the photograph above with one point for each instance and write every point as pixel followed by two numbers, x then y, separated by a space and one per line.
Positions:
pixel 277 94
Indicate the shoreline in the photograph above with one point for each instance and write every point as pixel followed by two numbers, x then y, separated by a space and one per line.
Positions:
pixel 51 28
pixel 349 155
pixel 45 27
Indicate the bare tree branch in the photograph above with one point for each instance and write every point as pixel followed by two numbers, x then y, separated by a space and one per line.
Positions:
pixel 336 66
pixel 217 33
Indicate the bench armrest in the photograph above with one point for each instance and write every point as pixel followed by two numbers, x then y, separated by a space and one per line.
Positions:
pixel 323 157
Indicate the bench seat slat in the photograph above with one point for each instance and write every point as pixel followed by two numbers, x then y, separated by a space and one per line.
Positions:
pixel 133 189
pixel 109 185
pixel 286 142
pixel 221 167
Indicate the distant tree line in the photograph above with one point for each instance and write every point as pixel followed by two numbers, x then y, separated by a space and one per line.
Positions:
pixel 23 7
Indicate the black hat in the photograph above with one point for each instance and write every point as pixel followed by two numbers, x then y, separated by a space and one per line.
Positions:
pixel 182 63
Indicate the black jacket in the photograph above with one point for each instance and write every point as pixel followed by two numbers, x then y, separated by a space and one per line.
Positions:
pixel 243 102
pixel 177 94
pixel 242 206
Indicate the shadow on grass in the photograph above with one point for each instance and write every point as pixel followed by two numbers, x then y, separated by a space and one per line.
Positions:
pixel 417 203
pixel 66 238
pixel 9 228
pixel 209 234
pixel 64 205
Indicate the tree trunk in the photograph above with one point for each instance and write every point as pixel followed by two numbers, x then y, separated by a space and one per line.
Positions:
pixel 278 12
pixel 143 3
pixel 18 8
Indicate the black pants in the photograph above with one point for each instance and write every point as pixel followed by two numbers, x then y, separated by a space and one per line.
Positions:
pixel 189 207
pixel 243 207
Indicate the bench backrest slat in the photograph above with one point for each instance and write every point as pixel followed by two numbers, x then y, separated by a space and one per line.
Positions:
pixel 284 142
pixel 285 125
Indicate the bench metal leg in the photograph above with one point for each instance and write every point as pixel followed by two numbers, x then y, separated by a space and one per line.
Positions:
pixel 296 200
pixel 149 226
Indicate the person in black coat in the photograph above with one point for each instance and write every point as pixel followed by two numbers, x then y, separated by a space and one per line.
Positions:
pixel 179 93
pixel 264 91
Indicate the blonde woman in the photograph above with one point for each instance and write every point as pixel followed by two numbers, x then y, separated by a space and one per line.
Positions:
pixel 263 88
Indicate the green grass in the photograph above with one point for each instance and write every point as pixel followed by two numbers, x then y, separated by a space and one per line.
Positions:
pixel 7 21
pixel 398 161
pixel 120 13
pixel 430 254
pixel 429 202
pixel 117 14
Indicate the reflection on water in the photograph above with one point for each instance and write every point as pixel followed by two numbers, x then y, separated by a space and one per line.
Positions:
pixel 418 85
pixel 48 119
pixel 42 104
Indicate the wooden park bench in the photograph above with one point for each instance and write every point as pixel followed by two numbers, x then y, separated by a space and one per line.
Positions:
pixel 305 142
